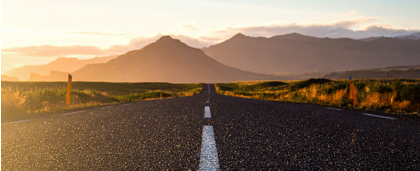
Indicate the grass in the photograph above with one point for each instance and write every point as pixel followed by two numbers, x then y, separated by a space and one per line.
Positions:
pixel 23 98
pixel 397 95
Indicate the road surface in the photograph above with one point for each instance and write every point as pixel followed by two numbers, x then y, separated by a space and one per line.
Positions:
pixel 210 132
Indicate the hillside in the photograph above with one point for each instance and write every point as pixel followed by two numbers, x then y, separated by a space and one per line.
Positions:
pixel 53 76
pixel 67 65
pixel 7 78
pixel 166 60
pixel 396 72
pixel 299 53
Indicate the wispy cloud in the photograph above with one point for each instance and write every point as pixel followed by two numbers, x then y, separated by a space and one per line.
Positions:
pixel 350 13
pixel 102 33
pixel 55 51
pixel 77 50
pixel 188 27
pixel 135 43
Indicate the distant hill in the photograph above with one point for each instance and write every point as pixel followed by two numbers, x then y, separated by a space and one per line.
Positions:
pixel 7 78
pixel 397 72
pixel 414 36
pixel 54 76
pixel 293 53
pixel 166 60
pixel 60 64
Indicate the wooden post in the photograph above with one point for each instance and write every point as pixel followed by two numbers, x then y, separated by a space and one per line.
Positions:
pixel 353 92
pixel 68 89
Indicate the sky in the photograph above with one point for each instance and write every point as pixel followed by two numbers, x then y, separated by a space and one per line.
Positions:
pixel 37 32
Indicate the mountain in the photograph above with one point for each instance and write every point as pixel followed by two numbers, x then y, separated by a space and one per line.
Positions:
pixel 414 36
pixel 397 72
pixel 166 60
pixel 60 64
pixel 7 78
pixel 299 53
pixel 369 39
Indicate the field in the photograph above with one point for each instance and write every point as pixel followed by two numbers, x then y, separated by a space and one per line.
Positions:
pixel 22 98
pixel 394 96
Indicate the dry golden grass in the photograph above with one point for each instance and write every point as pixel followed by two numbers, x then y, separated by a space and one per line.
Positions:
pixel 12 101
pixel 38 98
pixel 386 95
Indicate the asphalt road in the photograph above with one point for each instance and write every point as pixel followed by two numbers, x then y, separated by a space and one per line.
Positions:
pixel 249 135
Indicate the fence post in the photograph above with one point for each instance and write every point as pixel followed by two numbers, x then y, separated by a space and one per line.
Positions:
pixel 68 89
pixel 353 92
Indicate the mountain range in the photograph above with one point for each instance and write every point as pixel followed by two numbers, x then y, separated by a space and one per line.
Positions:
pixel 299 53
pixel 413 36
pixel 285 57
pixel 166 60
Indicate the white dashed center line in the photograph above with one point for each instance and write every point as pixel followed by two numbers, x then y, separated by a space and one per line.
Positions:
pixel 209 160
pixel 378 116
pixel 332 108
pixel 16 122
pixel 73 112
pixel 207 113
pixel 209 88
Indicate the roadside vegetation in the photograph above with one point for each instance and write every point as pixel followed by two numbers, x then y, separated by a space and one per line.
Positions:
pixel 396 96
pixel 22 98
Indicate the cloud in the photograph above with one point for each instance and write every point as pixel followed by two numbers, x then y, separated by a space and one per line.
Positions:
pixel 135 43
pixel 350 13
pixel 350 23
pixel 76 50
pixel 335 29
pixel 195 42
pixel 188 27
pixel 55 51
pixel 102 34
pixel 140 42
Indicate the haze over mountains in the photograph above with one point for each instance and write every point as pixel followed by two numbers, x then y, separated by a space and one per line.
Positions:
pixel 414 36
pixel 398 72
pixel 66 65
pixel 166 60
pixel 299 53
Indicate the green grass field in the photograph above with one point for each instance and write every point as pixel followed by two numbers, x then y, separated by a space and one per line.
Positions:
pixel 397 96
pixel 22 98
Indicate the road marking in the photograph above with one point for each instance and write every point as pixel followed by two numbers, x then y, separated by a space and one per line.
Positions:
pixel 207 113
pixel 209 88
pixel 15 122
pixel 107 107
pixel 208 99
pixel 209 159
pixel 73 112
pixel 332 108
pixel 379 116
